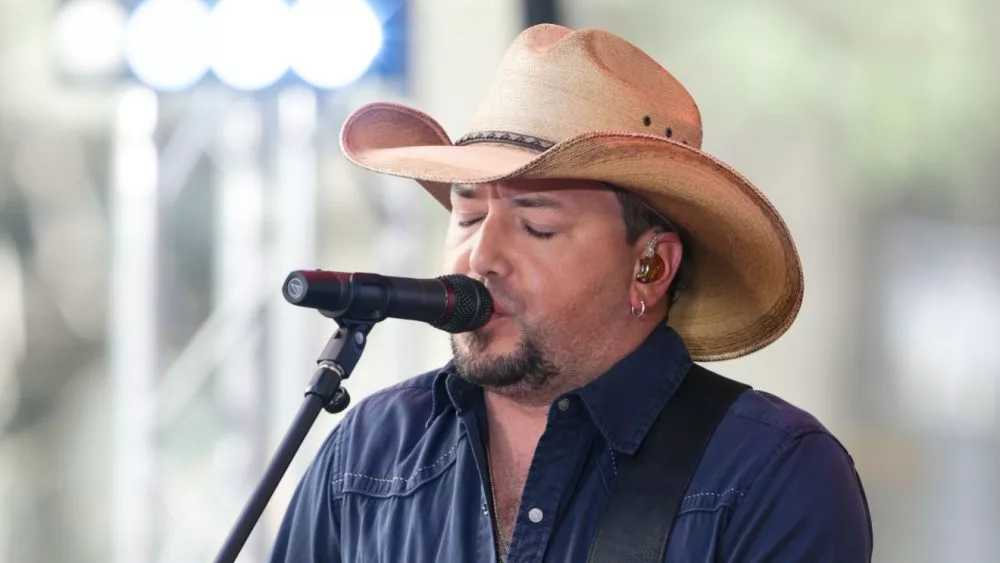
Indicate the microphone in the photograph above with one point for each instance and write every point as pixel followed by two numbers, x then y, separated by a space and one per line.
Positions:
pixel 454 303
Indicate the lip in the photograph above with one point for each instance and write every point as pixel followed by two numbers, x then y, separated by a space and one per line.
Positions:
pixel 499 312
pixel 499 309
pixel 496 316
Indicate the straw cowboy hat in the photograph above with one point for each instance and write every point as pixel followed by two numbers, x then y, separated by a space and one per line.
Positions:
pixel 589 105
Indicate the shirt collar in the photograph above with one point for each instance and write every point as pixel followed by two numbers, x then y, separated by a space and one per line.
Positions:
pixel 623 402
pixel 627 399
pixel 449 390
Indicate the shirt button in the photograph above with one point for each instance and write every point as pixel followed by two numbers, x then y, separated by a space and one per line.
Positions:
pixel 535 515
pixel 563 404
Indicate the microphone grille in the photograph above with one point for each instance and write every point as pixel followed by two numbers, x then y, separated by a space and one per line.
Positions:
pixel 472 304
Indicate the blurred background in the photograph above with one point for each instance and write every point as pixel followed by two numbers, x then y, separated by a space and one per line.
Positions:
pixel 164 164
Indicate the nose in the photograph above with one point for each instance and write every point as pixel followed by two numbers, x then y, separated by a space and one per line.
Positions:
pixel 488 256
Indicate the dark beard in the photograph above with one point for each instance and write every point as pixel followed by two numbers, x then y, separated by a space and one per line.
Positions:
pixel 526 367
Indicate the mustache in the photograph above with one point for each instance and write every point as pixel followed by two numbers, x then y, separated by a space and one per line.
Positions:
pixel 501 297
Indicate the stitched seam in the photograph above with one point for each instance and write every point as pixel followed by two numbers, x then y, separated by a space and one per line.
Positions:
pixel 413 476
pixel 786 432
pixel 723 493
pixel 337 459
pixel 392 480
pixel 614 465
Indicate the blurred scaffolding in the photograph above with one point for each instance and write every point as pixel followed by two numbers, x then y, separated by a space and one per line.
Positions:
pixel 164 164
pixel 205 194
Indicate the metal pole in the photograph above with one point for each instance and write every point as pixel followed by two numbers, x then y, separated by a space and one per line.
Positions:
pixel 291 214
pixel 292 209
pixel 238 277
pixel 133 340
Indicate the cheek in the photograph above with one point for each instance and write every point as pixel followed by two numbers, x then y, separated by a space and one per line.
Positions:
pixel 577 285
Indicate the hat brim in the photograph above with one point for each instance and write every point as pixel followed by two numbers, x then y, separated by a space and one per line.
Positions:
pixel 746 282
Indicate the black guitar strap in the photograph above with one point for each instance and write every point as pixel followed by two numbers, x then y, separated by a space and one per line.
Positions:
pixel 650 485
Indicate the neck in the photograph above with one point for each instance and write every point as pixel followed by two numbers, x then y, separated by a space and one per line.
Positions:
pixel 514 427
pixel 514 431
pixel 516 418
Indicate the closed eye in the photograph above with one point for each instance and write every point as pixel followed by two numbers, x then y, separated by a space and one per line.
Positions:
pixel 538 234
pixel 466 223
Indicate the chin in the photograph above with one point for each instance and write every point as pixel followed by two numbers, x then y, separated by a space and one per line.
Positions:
pixel 497 347
pixel 497 338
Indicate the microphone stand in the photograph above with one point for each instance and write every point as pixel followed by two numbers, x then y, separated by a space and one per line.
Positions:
pixel 338 359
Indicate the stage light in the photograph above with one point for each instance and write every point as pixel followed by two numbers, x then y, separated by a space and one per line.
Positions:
pixel 166 43
pixel 250 42
pixel 88 38
pixel 333 42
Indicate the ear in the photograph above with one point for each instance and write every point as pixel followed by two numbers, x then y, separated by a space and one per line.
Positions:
pixel 670 250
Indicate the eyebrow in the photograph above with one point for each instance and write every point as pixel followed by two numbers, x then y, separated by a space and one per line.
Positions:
pixel 537 202
pixel 524 202
pixel 466 192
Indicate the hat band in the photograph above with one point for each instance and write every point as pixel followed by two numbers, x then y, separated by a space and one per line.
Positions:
pixel 506 138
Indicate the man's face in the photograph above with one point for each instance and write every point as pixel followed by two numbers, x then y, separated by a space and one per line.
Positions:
pixel 554 257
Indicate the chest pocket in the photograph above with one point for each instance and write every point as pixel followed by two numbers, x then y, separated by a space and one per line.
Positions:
pixel 401 479
pixel 427 509
pixel 696 502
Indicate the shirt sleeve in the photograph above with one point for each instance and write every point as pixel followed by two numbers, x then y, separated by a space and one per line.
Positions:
pixel 808 504
pixel 310 530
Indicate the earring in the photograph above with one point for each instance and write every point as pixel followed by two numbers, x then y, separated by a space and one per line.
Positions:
pixel 641 311
pixel 651 266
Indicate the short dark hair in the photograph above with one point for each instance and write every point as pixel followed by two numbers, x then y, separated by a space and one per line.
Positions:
pixel 640 218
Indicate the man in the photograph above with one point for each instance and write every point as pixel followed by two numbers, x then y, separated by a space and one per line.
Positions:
pixel 581 199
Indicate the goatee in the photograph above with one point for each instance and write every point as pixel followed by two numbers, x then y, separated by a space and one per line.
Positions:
pixel 526 367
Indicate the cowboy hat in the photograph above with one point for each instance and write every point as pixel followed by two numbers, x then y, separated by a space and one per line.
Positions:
pixel 589 105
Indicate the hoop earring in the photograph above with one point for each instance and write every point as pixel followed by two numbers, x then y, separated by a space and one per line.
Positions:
pixel 651 266
pixel 642 310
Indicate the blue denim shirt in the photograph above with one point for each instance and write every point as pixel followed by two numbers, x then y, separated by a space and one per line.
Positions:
pixel 403 477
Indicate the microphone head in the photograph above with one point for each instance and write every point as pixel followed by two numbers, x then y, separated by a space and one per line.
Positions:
pixel 472 304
